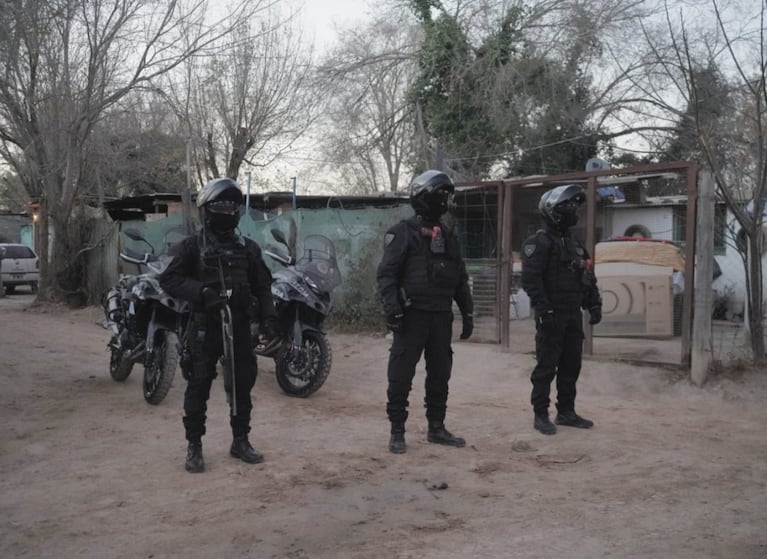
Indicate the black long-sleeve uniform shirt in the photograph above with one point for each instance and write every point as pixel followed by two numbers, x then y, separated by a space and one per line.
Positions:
pixel 411 275
pixel 557 272
pixel 185 277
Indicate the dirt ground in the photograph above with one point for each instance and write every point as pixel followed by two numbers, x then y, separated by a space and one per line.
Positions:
pixel 89 470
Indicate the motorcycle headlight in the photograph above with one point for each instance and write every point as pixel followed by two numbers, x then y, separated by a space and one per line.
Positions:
pixel 311 283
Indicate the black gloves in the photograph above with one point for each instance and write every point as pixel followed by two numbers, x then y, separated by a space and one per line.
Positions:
pixel 546 319
pixel 596 315
pixel 468 326
pixel 212 300
pixel 395 322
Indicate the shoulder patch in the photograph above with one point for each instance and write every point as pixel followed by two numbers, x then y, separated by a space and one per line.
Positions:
pixel 388 238
pixel 529 249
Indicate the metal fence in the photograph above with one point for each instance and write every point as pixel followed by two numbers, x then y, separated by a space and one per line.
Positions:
pixel 491 219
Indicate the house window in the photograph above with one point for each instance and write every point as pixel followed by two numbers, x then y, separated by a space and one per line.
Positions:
pixel 680 226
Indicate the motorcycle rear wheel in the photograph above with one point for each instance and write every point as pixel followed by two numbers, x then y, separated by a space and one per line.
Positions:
pixel 160 367
pixel 301 373
pixel 119 368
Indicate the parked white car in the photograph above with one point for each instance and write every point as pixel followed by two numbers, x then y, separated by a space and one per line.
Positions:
pixel 19 266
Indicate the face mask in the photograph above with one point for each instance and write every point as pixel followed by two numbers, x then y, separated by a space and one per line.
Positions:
pixel 569 220
pixel 222 223
pixel 223 215
pixel 567 214
pixel 437 203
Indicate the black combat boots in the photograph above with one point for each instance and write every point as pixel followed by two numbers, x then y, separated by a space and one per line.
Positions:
pixel 543 424
pixel 194 462
pixel 572 419
pixel 397 441
pixel 438 434
pixel 241 449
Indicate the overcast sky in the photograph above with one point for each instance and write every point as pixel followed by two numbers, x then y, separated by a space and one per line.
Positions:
pixel 321 17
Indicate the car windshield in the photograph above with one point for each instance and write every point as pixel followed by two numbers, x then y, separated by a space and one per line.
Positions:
pixel 18 251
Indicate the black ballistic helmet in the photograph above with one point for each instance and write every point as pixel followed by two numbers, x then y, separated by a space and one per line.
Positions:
pixel 559 206
pixel 429 193
pixel 219 203
pixel 219 189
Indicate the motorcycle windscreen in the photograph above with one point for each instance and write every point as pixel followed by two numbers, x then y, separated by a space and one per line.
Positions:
pixel 318 262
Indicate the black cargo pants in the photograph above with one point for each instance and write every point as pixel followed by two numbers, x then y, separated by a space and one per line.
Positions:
pixel 559 351
pixel 428 333
pixel 205 356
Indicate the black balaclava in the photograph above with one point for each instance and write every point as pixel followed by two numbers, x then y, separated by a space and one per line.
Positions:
pixel 222 224
pixel 222 216
pixel 566 215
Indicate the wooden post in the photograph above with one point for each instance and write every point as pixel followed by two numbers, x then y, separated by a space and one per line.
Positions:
pixel 500 194
pixel 591 205
pixel 704 271
pixel 507 262
pixel 689 261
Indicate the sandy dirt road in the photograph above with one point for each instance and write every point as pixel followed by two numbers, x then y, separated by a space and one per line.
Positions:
pixel 89 470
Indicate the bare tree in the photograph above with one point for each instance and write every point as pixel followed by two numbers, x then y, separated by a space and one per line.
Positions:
pixel 367 134
pixel 250 102
pixel 138 148
pixel 12 194
pixel 714 83
pixel 66 63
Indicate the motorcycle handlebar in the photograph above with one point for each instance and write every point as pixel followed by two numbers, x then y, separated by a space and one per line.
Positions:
pixel 135 258
pixel 281 258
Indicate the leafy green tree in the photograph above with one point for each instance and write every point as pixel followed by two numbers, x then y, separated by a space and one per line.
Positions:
pixel 711 110
pixel 514 104
pixel 445 93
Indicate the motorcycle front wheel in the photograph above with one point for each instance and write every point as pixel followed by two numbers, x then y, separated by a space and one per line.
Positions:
pixel 160 367
pixel 119 368
pixel 302 371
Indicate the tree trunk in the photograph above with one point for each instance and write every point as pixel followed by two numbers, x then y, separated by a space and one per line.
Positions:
pixel 755 299
pixel 43 246
pixel 704 295
pixel 67 269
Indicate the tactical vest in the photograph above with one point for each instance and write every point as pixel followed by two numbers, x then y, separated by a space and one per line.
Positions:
pixel 229 260
pixel 563 279
pixel 432 269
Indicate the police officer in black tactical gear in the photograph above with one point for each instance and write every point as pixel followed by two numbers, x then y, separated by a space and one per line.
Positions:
pixel 558 276
pixel 419 276
pixel 200 264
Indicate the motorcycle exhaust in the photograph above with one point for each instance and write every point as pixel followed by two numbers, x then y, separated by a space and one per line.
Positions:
pixel 136 353
pixel 113 310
